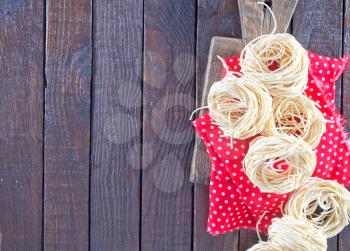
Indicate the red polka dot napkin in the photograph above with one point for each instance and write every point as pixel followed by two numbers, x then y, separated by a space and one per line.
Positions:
pixel 234 201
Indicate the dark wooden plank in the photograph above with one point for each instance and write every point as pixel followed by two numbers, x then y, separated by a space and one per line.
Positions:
pixel 318 26
pixel 333 243
pixel 283 11
pixel 67 124
pixel 21 124
pixel 168 99
pixel 215 18
pixel 344 236
pixel 257 20
pixel 247 239
pixel 116 138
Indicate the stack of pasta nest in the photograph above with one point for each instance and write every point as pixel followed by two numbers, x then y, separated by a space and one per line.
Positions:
pixel 267 98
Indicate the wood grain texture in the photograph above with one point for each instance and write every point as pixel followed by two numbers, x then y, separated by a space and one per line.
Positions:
pixel 247 239
pixel 344 236
pixel 168 99
pixel 318 26
pixel 21 124
pixel 215 18
pixel 116 128
pixel 257 20
pixel 283 11
pixel 67 124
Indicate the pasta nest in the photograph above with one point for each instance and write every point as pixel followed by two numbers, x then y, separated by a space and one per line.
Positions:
pixel 290 234
pixel 297 116
pixel 278 61
pixel 264 246
pixel 324 203
pixel 240 106
pixel 279 164
pixel 293 234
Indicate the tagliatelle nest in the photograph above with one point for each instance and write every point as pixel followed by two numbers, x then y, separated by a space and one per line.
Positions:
pixel 291 234
pixel 264 246
pixel 240 106
pixel 296 116
pixel 279 164
pixel 278 61
pixel 324 203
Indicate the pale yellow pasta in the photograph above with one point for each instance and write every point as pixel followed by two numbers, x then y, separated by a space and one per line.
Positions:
pixel 296 116
pixel 324 203
pixel 279 164
pixel 239 105
pixel 289 233
pixel 263 246
pixel 278 61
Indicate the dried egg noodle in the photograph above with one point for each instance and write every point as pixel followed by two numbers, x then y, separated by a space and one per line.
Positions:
pixel 297 116
pixel 290 234
pixel 324 203
pixel 279 164
pixel 278 61
pixel 240 106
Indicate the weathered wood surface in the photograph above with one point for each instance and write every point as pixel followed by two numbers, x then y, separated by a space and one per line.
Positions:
pixel 21 124
pixel 257 20
pixel 67 124
pixel 168 99
pixel 116 128
pixel 133 70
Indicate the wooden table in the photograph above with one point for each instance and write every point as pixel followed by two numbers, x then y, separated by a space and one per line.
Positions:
pixel 95 142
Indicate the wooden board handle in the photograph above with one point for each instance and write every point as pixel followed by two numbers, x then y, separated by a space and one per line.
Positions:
pixel 257 20
pixel 223 47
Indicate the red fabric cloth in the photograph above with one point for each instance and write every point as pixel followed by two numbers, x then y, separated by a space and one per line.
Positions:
pixel 234 201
